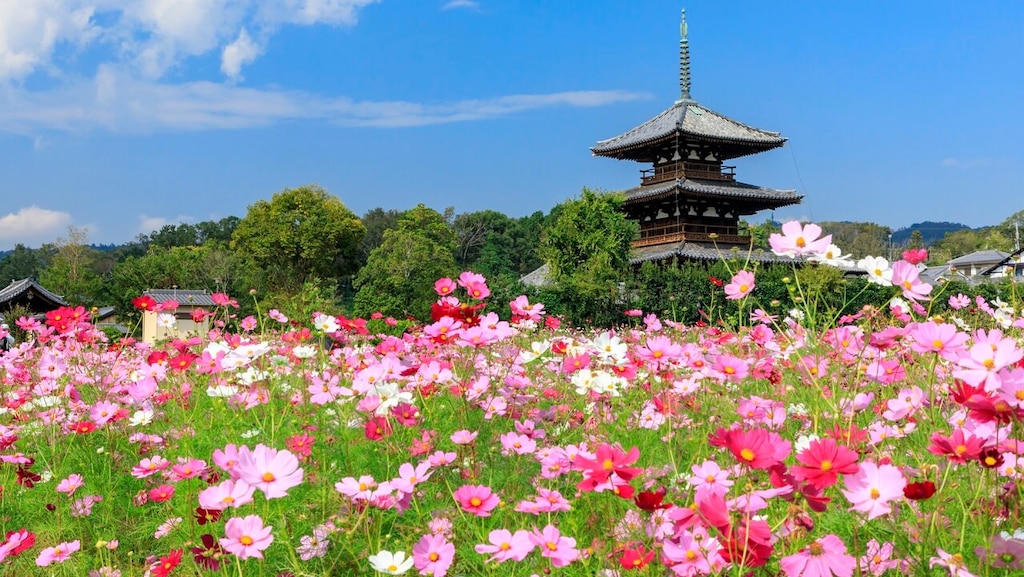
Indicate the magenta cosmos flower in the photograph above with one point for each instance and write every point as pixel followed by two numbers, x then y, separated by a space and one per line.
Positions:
pixel 269 470
pixel 246 537
pixel 477 499
pixel 825 557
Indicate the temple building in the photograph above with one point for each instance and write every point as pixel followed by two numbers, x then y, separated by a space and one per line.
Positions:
pixel 689 202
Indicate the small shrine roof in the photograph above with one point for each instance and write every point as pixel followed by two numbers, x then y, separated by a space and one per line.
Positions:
pixel 185 297
pixel 17 288
pixel 768 197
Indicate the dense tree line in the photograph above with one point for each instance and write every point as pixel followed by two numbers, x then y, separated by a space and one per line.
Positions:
pixel 304 251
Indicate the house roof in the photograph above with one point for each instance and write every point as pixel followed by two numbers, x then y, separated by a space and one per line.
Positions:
pixel 979 257
pixel 29 287
pixel 763 196
pixel 694 251
pixel 184 297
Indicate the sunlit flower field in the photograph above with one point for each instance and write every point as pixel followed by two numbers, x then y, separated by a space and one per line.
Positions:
pixel 882 442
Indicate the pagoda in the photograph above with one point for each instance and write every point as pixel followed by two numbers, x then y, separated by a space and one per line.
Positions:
pixel 689 202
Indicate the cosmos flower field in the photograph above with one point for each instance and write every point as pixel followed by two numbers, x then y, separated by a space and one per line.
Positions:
pixel 885 442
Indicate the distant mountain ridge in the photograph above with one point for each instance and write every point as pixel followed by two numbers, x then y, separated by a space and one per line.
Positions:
pixel 930 231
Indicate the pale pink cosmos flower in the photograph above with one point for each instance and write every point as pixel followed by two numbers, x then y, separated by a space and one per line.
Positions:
pixel 477 499
pixel 799 240
pixel 246 537
pixel 102 412
pixel 825 557
pixel 433 555
pixel 953 562
pixel 873 487
pixel 58 554
pixel 360 489
pixel 409 476
pixel 559 549
pixel 907 277
pixel 444 286
pixel 506 546
pixel 740 285
pixel 229 493
pixel 71 484
pixel 150 466
pixel 464 437
pixel 187 469
pixel 269 470
pixel 709 477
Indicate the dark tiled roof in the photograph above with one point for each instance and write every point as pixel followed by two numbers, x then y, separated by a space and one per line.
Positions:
pixel 694 251
pixel 185 297
pixel 770 197
pixel 20 287
pixel 687 118
pixel 979 257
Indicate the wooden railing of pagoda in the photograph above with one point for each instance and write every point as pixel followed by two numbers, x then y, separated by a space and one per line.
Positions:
pixel 680 170
pixel 678 232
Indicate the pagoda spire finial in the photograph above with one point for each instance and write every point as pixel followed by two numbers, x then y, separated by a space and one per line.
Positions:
pixel 684 60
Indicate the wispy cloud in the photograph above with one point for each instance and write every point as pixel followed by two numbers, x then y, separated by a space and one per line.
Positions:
pixel 33 224
pixel 454 4
pixel 117 101
pixel 967 162
pixel 149 224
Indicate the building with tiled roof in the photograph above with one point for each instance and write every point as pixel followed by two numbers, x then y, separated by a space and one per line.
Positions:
pixel 689 203
pixel 31 295
pixel 188 318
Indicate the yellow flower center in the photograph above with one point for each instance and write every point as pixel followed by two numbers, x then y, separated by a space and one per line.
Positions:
pixel 747 455
pixel 246 540
pixel 826 465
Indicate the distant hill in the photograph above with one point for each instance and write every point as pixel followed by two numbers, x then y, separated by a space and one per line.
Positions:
pixel 930 231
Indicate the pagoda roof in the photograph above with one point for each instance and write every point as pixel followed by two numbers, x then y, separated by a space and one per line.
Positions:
pixel 28 288
pixel 695 251
pixel 762 196
pixel 686 119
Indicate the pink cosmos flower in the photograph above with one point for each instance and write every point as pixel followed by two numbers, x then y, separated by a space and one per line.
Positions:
pixel 229 493
pixel 433 555
pixel 149 466
pixel 953 562
pixel 187 469
pixel 476 499
pixel 799 240
pixel 409 476
pixel 872 488
pixel 246 537
pixel 162 493
pixel 825 557
pixel 506 546
pixel 740 285
pixel 58 554
pixel 103 412
pixel 464 437
pixel 475 285
pixel 444 286
pixel 553 545
pixel 269 470
pixel 71 484
pixel 907 277
pixel 915 255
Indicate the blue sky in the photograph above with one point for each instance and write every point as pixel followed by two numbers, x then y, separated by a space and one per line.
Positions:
pixel 124 115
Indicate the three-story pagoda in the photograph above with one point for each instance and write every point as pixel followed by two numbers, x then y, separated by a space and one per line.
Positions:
pixel 689 202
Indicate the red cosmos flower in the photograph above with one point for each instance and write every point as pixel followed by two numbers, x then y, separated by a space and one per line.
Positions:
pixel 199 314
pixel 161 493
pixel 26 478
pixel 919 491
pixel 182 361
pixel 991 459
pixel 377 427
pixel 156 357
pixel 204 516
pixel 823 461
pixel 959 447
pixel 716 281
pixel 82 427
pixel 167 563
pixel 23 539
pixel 848 436
pixel 208 556
pixel 651 500
pixel 635 557
pixel 301 445
pixel 144 303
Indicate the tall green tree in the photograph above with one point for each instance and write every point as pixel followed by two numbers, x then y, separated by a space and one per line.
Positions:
pixel 300 234
pixel 587 248
pixel 22 262
pixel 376 221
pixel 398 279
pixel 70 270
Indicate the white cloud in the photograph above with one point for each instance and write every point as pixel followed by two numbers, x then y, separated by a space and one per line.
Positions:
pixel 967 162
pixel 453 4
pixel 33 224
pixel 237 54
pixel 119 102
pixel 152 36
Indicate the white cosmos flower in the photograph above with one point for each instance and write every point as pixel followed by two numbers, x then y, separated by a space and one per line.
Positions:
pixel 326 323
pixel 304 351
pixel 140 418
pixel 391 563
pixel 832 256
pixel 221 391
pixel 878 269
pixel 166 321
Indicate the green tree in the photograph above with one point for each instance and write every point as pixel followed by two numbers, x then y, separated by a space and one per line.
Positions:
pixel 376 221
pixel 398 279
pixel 70 269
pixel 916 240
pixel 299 234
pixel 587 248
pixel 22 262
